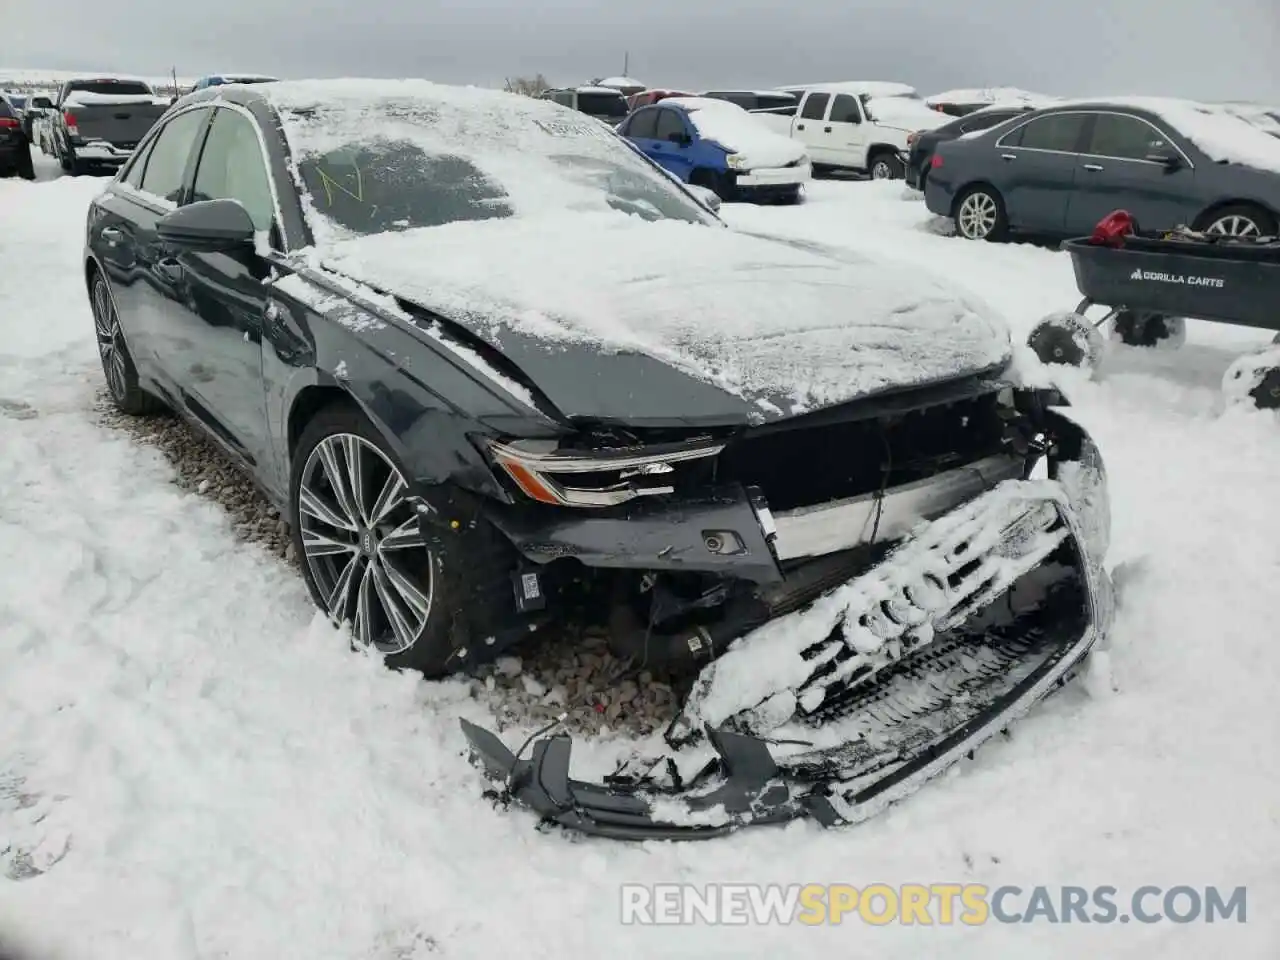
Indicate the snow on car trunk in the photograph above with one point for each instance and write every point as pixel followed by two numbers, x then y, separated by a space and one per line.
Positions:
pixel 203 770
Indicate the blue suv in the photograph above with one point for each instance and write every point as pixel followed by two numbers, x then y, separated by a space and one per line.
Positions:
pixel 718 145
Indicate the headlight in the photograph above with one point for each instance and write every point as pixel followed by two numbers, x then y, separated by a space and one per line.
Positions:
pixel 606 478
pixel 736 161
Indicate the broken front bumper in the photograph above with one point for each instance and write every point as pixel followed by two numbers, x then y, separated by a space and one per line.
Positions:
pixel 902 671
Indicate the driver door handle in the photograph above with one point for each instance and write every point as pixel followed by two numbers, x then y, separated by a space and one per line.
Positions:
pixel 1093 166
pixel 826 129
pixel 1008 156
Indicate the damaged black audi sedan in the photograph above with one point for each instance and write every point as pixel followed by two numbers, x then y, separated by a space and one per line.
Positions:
pixel 496 367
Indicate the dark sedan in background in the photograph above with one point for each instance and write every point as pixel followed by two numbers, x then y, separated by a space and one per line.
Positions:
pixel 1060 170
pixel 922 144
pixel 15 151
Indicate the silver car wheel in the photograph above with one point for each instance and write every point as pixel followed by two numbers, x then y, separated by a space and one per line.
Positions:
pixel 1234 225
pixel 362 544
pixel 977 216
pixel 110 342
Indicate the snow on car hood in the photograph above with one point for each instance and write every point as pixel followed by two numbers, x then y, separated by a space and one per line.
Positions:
pixel 739 132
pixel 905 113
pixel 784 329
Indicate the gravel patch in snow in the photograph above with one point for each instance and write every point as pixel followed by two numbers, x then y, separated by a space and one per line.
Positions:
pixel 567 671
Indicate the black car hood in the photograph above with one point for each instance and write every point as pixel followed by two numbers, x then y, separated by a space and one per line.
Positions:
pixel 615 318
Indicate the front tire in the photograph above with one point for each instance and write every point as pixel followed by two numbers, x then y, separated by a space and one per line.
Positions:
pixel 980 214
pixel 419 577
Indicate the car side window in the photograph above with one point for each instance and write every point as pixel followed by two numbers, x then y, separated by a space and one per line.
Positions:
pixel 1125 138
pixel 669 122
pixel 845 109
pixel 644 125
pixel 137 165
pixel 815 106
pixel 1058 131
pixel 985 122
pixel 232 167
pixel 169 154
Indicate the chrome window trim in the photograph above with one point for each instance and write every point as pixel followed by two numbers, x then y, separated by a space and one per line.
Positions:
pixel 265 155
pixel 1087 113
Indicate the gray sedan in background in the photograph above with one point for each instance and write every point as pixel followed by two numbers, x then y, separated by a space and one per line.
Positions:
pixel 1058 171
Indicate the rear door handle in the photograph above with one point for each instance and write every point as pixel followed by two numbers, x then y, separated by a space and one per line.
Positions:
pixel 1008 156
pixel 1093 166
pixel 826 129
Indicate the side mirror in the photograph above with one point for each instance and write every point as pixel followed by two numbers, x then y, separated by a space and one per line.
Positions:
pixel 208 225
pixel 705 195
pixel 1169 161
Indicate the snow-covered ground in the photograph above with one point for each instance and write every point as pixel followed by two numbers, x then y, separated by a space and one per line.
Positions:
pixel 204 771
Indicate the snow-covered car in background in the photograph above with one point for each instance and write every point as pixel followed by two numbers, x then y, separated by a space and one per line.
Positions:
pixel 807 478
pixel 959 103
pixel 221 79
pixel 603 103
pixel 859 126
pixel 717 145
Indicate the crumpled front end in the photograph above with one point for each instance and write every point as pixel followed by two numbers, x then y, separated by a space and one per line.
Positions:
pixel 837 709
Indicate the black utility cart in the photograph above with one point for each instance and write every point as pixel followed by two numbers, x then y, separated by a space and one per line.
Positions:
pixel 1151 282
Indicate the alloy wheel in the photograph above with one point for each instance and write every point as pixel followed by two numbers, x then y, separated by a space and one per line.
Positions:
pixel 881 170
pixel 977 217
pixel 362 544
pixel 1234 225
pixel 110 342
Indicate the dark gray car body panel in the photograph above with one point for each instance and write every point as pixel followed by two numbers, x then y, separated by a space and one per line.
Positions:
pixel 268 341
pixel 1062 194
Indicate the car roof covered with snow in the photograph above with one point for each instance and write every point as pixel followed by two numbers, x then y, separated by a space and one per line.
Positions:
pixel 991 95
pixel 869 88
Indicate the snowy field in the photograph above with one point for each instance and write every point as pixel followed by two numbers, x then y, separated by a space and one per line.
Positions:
pixel 198 768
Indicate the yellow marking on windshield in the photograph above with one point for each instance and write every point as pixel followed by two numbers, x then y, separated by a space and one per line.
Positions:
pixel 329 183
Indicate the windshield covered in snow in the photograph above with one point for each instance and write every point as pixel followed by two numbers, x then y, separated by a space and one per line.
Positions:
pixel 373 164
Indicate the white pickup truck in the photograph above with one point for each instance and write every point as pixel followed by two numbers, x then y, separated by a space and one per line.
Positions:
pixel 855 125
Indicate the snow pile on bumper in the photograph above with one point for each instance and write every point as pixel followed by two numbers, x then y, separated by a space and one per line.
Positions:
pixel 874 688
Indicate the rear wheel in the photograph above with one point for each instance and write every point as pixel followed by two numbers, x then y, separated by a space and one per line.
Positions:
pixel 117 362
pixel 979 214
pixel 25 167
pixel 886 166
pixel 1242 220
pixel 418 577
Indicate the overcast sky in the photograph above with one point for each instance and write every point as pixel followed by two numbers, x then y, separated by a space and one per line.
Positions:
pixel 1210 49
